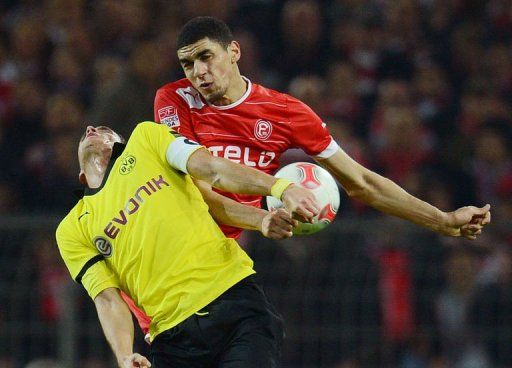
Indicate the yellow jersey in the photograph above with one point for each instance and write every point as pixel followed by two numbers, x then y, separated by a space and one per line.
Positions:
pixel 147 231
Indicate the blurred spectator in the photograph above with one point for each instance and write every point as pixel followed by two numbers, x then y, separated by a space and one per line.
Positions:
pixel 342 100
pixel 433 99
pixel 23 128
pixel 360 44
pixel 130 100
pixel 459 342
pixel 490 312
pixel 51 161
pixel 108 71
pixel 28 46
pixel 402 145
pixel 301 50
pixel 120 24
pixel 67 73
pixel 310 90
pixel 251 63
pixel 492 163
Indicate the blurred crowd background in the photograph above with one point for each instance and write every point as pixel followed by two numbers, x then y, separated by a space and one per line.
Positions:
pixel 418 90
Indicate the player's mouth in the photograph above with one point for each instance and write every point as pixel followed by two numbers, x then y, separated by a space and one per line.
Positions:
pixel 206 85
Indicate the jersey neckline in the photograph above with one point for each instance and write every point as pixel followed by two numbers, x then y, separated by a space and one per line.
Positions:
pixel 239 101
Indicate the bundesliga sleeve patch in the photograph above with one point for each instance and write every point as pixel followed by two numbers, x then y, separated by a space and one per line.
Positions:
pixel 169 116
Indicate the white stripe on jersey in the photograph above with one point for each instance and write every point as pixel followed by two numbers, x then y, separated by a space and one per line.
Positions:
pixel 220 135
pixel 237 136
pixel 212 113
pixel 265 102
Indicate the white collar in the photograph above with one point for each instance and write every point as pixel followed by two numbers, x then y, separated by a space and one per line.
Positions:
pixel 239 101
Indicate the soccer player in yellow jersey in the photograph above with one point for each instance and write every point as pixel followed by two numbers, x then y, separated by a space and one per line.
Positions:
pixel 142 227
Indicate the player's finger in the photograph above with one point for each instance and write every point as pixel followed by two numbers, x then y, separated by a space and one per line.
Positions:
pixel 312 205
pixel 487 218
pixel 282 227
pixel 278 235
pixel 474 227
pixel 304 214
pixel 141 361
pixel 285 216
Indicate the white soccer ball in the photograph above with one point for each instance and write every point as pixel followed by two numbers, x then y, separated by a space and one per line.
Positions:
pixel 323 185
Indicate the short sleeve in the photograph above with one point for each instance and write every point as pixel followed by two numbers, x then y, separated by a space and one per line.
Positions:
pixel 308 131
pixel 98 278
pixel 170 109
pixel 85 264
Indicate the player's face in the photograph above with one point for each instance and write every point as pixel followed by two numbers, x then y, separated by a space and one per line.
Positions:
pixel 96 139
pixel 209 67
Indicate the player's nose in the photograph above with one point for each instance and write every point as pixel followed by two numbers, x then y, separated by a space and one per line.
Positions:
pixel 199 68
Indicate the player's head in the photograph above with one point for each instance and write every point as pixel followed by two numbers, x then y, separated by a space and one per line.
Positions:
pixel 208 55
pixel 96 142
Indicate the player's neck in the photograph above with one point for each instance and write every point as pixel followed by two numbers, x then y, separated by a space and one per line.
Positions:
pixel 94 169
pixel 234 92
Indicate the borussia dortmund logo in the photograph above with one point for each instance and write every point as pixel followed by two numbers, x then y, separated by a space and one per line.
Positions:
pixel 127 164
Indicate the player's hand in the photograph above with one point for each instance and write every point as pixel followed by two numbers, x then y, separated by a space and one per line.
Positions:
pixel 135 361
pixel 301 202
pixel 468 221
pixel 278 224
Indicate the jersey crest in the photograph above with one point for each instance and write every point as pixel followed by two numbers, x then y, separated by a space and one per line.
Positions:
pixel 262 129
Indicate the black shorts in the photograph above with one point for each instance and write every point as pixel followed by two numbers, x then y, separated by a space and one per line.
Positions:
pixel 239 329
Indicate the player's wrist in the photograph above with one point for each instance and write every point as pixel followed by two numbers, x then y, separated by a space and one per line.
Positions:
pixel 278 188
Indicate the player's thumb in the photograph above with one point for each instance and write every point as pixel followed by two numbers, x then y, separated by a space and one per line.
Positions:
pixel 141 361
pixel 484 209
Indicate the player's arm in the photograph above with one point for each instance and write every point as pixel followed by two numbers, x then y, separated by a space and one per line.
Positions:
pixel 232 177
pixel 275 225
pixel 117 324
pixel 386 196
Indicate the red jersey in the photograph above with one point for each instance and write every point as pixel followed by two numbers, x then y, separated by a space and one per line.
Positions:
pixel 255 130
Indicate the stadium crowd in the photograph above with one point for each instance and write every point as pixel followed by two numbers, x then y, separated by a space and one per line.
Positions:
pixel 418 90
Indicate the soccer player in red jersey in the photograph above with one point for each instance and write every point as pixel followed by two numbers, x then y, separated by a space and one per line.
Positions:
pixel 253 125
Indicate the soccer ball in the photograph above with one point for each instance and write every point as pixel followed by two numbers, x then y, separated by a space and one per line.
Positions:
pixel 324 187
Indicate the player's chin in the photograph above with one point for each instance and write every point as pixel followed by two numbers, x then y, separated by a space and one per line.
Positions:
pixel 214 97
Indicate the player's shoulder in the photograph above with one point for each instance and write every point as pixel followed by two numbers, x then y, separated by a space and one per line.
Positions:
pixel 71 221
pixel 263 94
pixel 145 128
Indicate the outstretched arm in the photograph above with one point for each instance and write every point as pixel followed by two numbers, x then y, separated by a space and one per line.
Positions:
pixel 232 177
pixel 388 197
pixel 117 324
pixel 275 225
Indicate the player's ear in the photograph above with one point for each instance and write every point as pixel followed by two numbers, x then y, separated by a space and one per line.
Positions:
pixel 81 177
pixel 234 48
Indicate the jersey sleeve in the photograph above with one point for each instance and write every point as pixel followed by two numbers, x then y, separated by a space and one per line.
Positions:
pixel 85 264
pixel 169 145
pixel 170 109
pixel 308 131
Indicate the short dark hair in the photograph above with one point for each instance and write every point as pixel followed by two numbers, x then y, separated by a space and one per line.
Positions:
pixel 204 27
